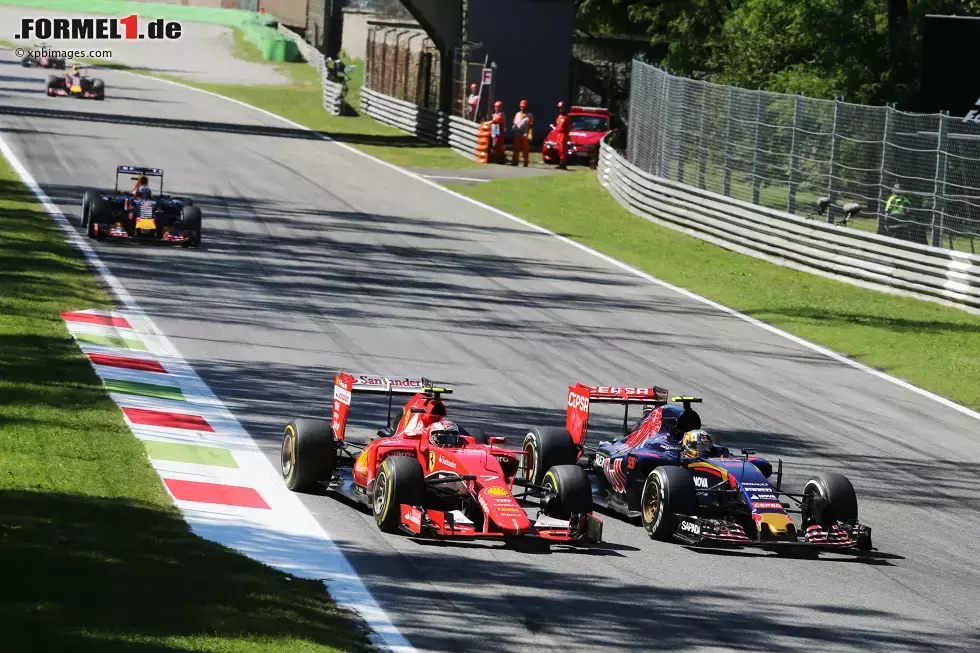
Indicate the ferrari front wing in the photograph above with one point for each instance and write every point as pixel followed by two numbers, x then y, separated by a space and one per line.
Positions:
pixel 439 524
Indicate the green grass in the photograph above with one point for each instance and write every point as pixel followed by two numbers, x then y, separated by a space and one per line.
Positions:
pixel 96 556
pixel 928 344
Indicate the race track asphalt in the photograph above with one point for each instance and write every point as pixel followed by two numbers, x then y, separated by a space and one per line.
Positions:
pixel 318 259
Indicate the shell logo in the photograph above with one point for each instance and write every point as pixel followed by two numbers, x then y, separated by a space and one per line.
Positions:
pixel 497 491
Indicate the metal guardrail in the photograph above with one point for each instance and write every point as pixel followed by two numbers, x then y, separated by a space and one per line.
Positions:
pixel 334 93
pixel 768 233
pixel 427 125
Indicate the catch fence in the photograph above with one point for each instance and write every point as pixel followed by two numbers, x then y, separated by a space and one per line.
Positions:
pixel 787 151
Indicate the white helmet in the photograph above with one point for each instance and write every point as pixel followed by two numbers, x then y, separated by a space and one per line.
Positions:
pixel 444 434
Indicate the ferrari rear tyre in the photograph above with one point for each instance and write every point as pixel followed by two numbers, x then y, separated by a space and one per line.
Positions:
pixel 545 448
pixel 667 491
pixel 571 484
pixel 308 454
pixel 832 500
pixel 400 480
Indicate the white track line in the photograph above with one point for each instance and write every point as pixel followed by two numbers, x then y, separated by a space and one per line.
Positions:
pixel 829 353
pixel 287 536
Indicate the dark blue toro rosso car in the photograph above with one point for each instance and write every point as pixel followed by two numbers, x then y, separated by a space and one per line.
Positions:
pixel 667 471
pixel 141 214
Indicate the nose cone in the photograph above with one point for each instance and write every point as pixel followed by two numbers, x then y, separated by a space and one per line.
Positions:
pixel 779 524
pixel 503 509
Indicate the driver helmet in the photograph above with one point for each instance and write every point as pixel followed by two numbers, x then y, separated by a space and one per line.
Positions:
pixel 75 69
pixel 144 192
pixel 444 434
pixel 697 444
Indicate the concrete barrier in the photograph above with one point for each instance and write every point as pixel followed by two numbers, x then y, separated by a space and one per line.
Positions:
pixel 930 272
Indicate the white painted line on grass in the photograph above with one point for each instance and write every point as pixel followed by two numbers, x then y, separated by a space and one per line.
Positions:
pixel 456 178
pixel 837 356
pixel 287 536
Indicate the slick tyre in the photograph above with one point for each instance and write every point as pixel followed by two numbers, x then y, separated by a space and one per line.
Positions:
pixel 400 480
pixel 98 87
pixel 190 220
pixel 99 212
pixel 545 448
pixel 832 500
pixel 308 454
pixel 87 199
pixel 667 491
pixel 477 434
pixel 574 491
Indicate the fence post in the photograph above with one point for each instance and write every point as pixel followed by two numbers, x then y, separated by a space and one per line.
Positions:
pixel 759 115
pixel 833 162
pixel 791 196
pixel 703 142
pixel 937 225
pixel 881 167
pixel 664 127
pixel 727 186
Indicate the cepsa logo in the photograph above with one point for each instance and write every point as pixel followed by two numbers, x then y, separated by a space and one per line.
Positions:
pixel 579 402
pixel 80 29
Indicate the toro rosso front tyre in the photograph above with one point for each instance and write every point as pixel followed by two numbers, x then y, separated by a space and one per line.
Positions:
pixel 400 480
pixel 573 491
pixel 308 454
pixel 545 448
pixel 832 500
pixel 668 491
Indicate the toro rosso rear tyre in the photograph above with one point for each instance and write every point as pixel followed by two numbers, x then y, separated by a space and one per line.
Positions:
pixel 400 480
pixel 832 499
pixel 308 455
pixel 545 448
pixel 574 491
pixel 667 492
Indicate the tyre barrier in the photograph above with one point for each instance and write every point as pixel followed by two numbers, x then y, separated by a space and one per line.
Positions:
pixel 881 262
pixel 428 125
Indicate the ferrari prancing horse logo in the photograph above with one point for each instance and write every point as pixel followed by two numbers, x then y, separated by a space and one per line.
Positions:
pixel 432 460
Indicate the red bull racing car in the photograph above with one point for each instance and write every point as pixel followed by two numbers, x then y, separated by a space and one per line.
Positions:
pixel 425 476
pixel 76 84
pixel 141 214
pixel 666 470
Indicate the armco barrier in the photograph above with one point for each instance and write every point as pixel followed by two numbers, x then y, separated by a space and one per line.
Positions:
pixel 334 93
pixel 939 273
pixel 427 125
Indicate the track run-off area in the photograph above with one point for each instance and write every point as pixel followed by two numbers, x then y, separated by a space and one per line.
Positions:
pixel 317 258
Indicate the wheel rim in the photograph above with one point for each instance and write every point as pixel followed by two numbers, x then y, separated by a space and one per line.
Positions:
pixel 380 492
pixel 286 457
pixel 651 502
pixel 529 462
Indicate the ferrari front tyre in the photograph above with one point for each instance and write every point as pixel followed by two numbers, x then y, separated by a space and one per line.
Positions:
pixel 400 480
pixel 667 492
pixel 573 491
pixel 832 499
pixel 545 448
pixel 308 454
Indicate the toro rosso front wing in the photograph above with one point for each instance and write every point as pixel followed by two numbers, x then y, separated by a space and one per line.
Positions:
pixel 839 537
pixel 435 523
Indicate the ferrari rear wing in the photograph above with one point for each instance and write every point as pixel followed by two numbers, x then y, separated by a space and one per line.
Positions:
pixel 346 385
pixel 580 396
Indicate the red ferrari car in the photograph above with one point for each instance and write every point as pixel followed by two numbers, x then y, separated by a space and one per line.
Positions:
pixel 425 476
pixel 589 126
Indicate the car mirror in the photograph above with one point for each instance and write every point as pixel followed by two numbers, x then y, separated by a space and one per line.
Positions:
pixel 748 452
pixel 497 439
pixel 411 436
pixel 384 433
pixel 417 411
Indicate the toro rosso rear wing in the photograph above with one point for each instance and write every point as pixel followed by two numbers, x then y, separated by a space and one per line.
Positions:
pixel 346 385
pixel 581 396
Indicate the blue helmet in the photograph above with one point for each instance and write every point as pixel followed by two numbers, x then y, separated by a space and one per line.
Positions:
pixel 144 192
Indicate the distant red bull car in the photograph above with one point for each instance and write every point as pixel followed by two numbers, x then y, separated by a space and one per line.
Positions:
pixel 589 126
pixel 76 84
pixel 465 487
